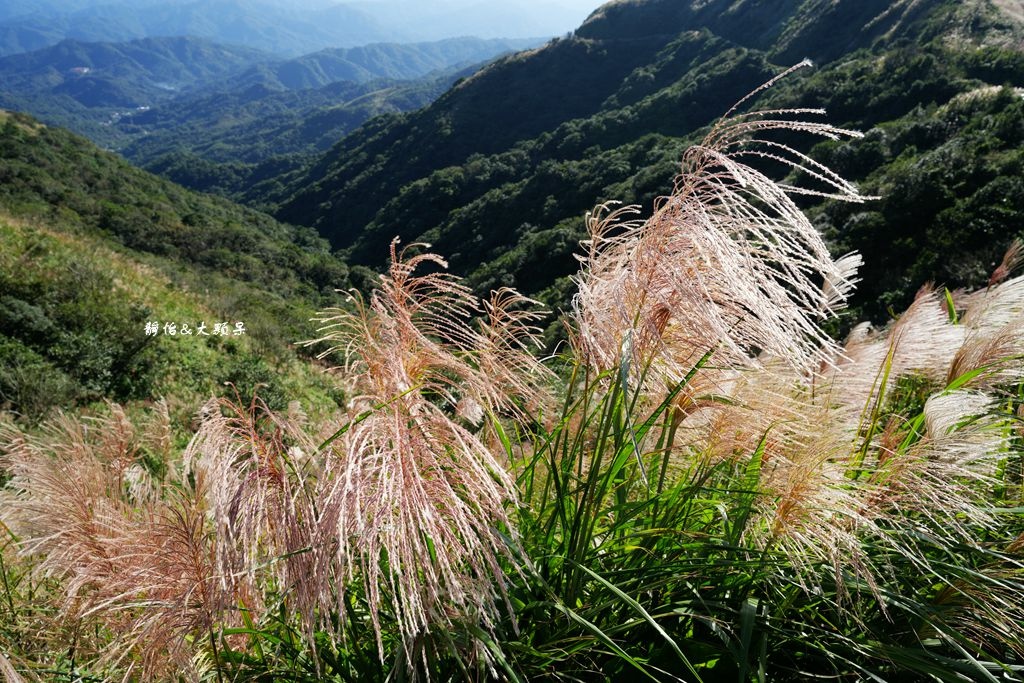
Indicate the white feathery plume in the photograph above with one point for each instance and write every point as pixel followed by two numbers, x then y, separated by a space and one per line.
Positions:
pixel 727 264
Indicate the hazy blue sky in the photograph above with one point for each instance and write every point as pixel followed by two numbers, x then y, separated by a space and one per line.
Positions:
pixel 487 18
pixel 285 26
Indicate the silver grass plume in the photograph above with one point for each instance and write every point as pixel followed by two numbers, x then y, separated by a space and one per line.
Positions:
pixel 259 477
pixel 130 556
pixel 412 497
pixel 835 469
pixel 728 263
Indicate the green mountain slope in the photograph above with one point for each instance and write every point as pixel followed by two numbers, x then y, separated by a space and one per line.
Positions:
pixel 227 138
pixel 499 171
pixel 233 143
pixel 93 249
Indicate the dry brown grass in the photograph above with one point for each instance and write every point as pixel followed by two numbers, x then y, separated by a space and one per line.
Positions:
pixel 133 556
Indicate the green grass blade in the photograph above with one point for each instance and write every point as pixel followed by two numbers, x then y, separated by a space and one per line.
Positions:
pixel 639 609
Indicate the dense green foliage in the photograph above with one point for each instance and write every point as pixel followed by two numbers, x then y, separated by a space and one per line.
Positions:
pixel 668 586
pixel 952 196
pixel 67 334
pixel 50 172
pixel 604 115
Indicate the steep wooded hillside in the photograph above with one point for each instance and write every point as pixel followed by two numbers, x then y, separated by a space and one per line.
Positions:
pixel 498 172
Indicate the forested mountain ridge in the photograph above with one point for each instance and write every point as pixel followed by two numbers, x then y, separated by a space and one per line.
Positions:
pixel 399 61
pixel 229 137
pixel 232 143
pixel 167 64
pixel 498 172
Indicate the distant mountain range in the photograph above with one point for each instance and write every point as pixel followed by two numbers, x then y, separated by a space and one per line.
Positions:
pixel 278 26
pixel 157 96
pixel 231 142
pixel 105 75
pixel 380 60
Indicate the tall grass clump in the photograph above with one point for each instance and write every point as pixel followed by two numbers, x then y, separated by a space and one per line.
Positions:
pixel 703 486
pixel 123 557
pixel 415 499
pixel 730 493
pixel 728 263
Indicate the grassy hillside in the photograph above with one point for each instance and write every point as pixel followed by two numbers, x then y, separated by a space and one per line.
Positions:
pixel 604 115
pixel 93 249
